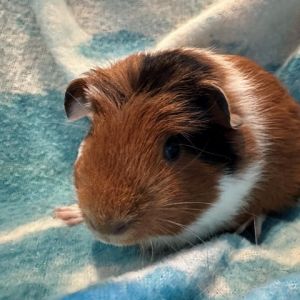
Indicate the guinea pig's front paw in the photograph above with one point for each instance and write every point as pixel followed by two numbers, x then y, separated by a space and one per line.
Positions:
pixel 70 215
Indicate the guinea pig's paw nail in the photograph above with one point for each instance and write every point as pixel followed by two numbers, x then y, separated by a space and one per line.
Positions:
pixel 68 213
pixel 55 213
pixel 74 207
pixel 74 221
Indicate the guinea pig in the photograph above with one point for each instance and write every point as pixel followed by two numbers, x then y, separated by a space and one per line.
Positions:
pixel 183 144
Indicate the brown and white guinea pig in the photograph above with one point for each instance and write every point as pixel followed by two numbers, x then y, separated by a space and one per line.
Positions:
pixel 183 144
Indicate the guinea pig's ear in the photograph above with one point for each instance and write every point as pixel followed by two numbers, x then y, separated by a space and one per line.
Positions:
pixel 220 108
pixel 76 104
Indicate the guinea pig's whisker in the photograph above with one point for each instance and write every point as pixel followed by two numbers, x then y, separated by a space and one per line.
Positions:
pixel 183 209
pixel 187 202
pixel 152 250
pixel 210 108
pixel 188 164
pixel 80 104
pixel 64 123
pixel 177 172
pixel 189 242
pixel 170 245
pixel 142 253
pixel 168 232
pixel 183 227
pixel 203 115
pixel 203 151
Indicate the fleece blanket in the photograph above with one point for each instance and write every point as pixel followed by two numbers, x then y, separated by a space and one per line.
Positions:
pixel 44 44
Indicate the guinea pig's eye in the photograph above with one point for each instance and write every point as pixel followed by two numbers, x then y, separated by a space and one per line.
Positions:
pixel 171 149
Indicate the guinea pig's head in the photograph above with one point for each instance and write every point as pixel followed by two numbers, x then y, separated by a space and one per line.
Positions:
pixel 161 136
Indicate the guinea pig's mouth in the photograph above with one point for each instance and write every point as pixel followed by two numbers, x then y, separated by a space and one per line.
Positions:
pixel 116 240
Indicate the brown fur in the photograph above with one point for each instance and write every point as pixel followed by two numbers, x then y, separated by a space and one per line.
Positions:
pixel 122 176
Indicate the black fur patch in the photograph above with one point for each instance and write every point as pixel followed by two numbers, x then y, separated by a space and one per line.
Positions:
pixel 171 71
pixel 180 73
pixel 213 145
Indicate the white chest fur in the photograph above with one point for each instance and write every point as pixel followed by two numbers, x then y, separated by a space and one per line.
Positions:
pixel 234 191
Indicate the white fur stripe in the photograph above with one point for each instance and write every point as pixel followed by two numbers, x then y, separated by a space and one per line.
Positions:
pixel 29 228
pixel 234 190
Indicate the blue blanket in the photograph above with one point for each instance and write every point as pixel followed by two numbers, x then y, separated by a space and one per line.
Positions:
pixel 44 44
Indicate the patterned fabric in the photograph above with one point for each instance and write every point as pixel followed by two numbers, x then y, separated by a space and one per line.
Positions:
pixel 44 44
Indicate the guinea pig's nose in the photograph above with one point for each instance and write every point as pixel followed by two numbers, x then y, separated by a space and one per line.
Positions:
pixel 117 228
